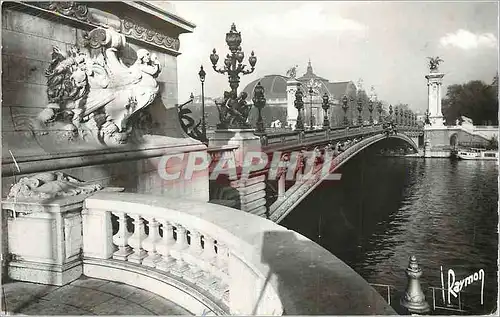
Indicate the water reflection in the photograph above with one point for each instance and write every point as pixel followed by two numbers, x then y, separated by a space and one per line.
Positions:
pixel 385 209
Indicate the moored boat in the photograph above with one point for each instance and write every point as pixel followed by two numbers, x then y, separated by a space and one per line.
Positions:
pixel 477 154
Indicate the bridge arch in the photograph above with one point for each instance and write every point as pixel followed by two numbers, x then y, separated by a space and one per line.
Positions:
pixel 301 189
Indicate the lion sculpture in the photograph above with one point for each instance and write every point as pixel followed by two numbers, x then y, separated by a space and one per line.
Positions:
pixel 100 92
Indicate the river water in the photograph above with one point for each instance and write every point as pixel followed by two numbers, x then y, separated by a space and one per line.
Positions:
pixel 384 210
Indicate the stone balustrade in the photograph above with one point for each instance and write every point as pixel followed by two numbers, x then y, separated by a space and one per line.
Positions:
pixel 204 256
pixel 296 137
pixel 180 244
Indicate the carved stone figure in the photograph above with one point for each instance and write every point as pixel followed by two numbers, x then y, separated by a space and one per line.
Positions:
pixel 49 185
pixel 434 63
pixel 99 93
pixel 292 72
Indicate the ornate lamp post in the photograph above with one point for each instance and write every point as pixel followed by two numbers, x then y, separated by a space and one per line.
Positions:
pixel 360 108
pixel 202 75
pixel 390 112
pixel 345 107
pixel 311 92
pixel 379 110
pixel 396 115
pixel 370 108
pixel 234 109
pixel 401 114
pixel 326 106
pixel 299 104
pixel 259 101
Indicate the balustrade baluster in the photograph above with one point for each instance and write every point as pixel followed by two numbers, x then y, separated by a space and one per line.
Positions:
pixel 121 238
pixel 164 247
pixel 136 240
pixel 178 251
pixel 207 264
pixel 222 258
pixel 193 257
pixel 151 242
pixel 221 286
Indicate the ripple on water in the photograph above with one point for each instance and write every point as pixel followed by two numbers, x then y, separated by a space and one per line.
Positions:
pixel 443 212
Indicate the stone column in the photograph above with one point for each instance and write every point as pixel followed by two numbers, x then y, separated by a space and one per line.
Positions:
pixel 434 83
pixel 291 112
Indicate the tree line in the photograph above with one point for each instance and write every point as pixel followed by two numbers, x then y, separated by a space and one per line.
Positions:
pixel 475 100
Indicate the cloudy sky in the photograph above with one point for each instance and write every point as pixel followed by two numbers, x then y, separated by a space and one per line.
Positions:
pixel 384 43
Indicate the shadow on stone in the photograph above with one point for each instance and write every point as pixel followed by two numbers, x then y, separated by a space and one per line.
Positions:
pixel 312 281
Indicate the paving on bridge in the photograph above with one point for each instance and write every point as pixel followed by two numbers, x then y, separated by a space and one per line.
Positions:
pixel 85 296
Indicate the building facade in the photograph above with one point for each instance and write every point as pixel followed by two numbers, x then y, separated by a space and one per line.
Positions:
pixel 279 107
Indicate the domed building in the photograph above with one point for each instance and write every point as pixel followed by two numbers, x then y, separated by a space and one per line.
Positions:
pixel 279 107
pixel 276 99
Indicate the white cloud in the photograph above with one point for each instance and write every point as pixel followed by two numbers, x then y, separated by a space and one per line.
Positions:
pixel 301 22
pixel 467 40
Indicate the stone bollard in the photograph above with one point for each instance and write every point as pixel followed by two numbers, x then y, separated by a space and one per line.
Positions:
pixel 414 298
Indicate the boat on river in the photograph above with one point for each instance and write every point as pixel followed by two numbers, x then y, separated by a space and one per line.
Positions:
pixel 477 154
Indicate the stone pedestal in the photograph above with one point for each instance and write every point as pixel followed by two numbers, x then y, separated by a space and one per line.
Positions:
pixel 251 189
pixel 42 228
pixel 252 194
pixel 245 139
pixel 434 83
pixel 291 112
pixel 44 239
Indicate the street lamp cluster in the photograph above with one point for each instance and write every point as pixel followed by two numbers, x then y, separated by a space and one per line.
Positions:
pixel 401 117
pixel 234 111
pixel 202 75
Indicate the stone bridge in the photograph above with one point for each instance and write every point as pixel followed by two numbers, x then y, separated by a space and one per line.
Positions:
pixel 289 199
pixel 304 158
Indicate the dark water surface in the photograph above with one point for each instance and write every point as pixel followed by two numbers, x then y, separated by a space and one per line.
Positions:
pixel 386 209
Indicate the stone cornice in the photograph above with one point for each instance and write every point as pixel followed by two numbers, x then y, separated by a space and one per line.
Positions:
pixel 48 162
pixel 141 32
pixel 81 13
pixel 160 13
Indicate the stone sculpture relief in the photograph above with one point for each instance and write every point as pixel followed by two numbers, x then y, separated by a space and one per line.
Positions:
pixel 82 12
pixel 99 95
pixel 50 185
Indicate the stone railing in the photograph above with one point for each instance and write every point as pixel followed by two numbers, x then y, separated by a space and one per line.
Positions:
pixel 177 250
pixel 203 256
pixel 209 259
pixel 291 138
